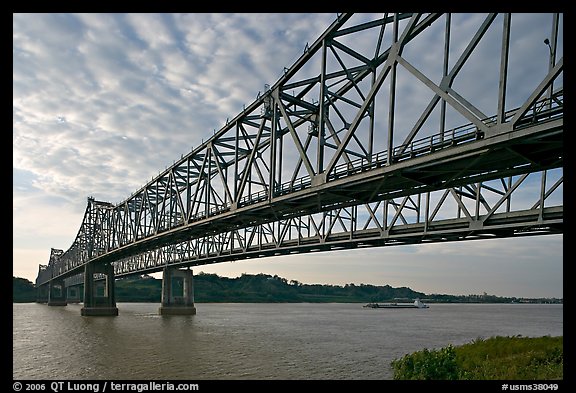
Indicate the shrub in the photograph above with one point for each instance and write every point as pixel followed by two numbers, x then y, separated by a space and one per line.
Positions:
pixel 426 364
pixel 536 358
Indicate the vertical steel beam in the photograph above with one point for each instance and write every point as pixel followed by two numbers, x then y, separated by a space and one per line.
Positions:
pixel 478 196
pixel 503 69
pixel 236 159
pixel 445 72
pixel 280 143
pixel 372 108
pixel 554 38
pixel 509 199
pixel 542 196
pixel 273 163
pixel 208 182
pixel 320 127
pixel 392 94
pixel 301 150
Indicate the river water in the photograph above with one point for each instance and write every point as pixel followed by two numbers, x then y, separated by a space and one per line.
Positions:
pixel 253 341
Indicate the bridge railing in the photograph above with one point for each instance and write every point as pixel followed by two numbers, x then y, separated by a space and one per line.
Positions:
pixel 234 152
pixel 419 147
pixel 543 110
pixel 419 218
pixel 546 109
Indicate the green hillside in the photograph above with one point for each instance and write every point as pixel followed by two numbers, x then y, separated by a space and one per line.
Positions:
pixel 23 291
pixel 261 288
pixel 246 288
pixel 254 288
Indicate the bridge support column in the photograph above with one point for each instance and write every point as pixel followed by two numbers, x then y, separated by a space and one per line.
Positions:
pixel 99 297
pixel 42 294
pixel 57 293
pixel 73 294
pixel 177 292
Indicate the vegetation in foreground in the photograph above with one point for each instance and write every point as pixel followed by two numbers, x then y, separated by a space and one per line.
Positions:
pixel 495 358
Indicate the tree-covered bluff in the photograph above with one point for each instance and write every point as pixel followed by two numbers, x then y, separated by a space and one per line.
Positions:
pixel 264 288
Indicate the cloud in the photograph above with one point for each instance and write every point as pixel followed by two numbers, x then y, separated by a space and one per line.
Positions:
pixel 104 102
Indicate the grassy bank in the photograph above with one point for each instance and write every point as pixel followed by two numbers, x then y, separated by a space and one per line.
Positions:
pixel 527 358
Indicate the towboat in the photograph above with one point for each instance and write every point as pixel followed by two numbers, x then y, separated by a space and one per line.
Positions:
pixel 417 304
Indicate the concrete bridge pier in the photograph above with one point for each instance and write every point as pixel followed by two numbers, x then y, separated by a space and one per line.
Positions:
pixel 42 294
pixel 99 297
pixel 177 292
pixel 73 294
pixel 57 293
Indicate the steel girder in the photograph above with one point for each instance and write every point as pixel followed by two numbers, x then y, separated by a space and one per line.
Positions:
pixel 486 210
pixel 331 137
pixel 523 205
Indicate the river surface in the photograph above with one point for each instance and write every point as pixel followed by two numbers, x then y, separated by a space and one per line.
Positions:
pixel 253 340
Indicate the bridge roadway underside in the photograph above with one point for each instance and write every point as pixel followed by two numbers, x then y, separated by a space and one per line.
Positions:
pixel 530 149
pixel 538 221
pixel 532 222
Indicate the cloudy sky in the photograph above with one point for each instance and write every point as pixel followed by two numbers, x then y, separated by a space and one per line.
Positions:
pixel 104 102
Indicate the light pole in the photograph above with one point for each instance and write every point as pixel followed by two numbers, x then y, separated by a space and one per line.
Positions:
pixel 550 66
pixel 547 42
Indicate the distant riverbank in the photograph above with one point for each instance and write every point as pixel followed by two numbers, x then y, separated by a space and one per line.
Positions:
pixel 263 288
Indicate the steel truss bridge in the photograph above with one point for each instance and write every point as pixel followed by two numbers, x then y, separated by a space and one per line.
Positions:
pixel 373 137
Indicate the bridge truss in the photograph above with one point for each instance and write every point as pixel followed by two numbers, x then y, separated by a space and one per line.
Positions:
pixel 372 137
